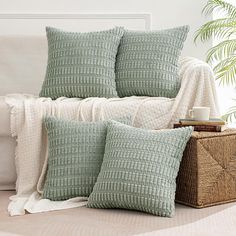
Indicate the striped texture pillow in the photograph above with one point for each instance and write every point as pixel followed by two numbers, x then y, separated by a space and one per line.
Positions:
pixel 139 169
pixel 147 62
pixel 75 154
pixel 81 64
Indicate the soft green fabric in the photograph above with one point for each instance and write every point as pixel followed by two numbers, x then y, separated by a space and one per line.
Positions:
pixel 147 62
pixel 75 154
pixel 139 169
pixel 81 64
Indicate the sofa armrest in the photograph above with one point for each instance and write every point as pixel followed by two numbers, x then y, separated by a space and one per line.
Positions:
pixel 4 118
pixel 198 88
pixel 190 65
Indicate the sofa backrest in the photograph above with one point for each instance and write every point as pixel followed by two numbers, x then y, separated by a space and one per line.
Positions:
pixel 22 64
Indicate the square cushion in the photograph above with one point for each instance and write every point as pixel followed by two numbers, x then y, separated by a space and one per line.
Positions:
pixel 139 169
pixel 81 64
pixel 75 154
pixel 147 62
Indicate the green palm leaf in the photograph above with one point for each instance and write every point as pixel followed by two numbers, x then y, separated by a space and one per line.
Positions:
pixel 220 7
pixel 220 28
pixel 224 53
pixel 226 70
pixel 230 114
pixel 221 51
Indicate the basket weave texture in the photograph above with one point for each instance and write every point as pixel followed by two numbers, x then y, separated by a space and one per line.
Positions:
pixel 207 174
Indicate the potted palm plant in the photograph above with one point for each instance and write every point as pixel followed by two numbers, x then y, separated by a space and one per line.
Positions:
pixel 223 55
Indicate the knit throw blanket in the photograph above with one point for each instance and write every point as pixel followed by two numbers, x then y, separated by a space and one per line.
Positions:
pixel 197 89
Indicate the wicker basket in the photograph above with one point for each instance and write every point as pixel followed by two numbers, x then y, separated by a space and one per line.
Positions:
pixel 207 173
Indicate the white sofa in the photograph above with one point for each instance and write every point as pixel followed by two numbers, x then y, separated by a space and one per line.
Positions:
pixel 22 68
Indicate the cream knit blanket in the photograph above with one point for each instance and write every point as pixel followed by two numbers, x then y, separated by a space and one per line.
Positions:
pixel 197 89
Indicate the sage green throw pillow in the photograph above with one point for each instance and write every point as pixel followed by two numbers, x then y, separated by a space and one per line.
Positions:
pixel 147 62
pixel 81 64
pixel 139 169
pixel 75 154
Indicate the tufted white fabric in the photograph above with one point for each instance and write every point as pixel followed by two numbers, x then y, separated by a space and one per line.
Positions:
pixel 197 89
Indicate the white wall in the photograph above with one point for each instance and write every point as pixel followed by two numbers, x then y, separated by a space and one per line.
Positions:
pixel 165 13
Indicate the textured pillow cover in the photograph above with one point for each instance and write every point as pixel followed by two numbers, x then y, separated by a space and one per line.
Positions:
pixel 81 64
pixel 147 62
pixel 75 154
pixel 139 169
